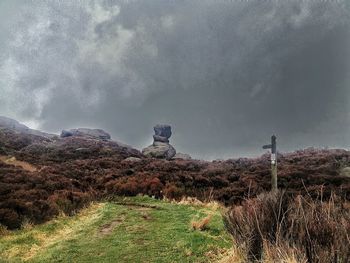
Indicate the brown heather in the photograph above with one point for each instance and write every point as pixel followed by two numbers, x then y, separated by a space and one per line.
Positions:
pixel 65 180
pixel 304 228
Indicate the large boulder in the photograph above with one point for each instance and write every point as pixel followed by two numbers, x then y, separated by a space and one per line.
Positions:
pixel 85 132
pixel 65 134
pixel 160 150
pixel 163 130
pixel 158 138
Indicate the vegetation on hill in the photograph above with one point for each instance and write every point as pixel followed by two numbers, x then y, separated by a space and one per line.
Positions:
pixel 42 178
pixel 71 184
pixel 277 227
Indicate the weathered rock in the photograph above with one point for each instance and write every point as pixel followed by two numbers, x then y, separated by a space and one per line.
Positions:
pixel 85 132
pixel 182 156
pixel 132 159
pixel 345 172
pixel 163 130
pixel 83 150
pixel 158 138
pixel 160 150
pixel 65 134
pixel 19 127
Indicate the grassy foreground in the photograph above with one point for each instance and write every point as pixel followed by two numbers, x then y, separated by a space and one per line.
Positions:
pixel 138 229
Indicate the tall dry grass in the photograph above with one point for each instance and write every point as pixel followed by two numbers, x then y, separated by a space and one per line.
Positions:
pixel 275 227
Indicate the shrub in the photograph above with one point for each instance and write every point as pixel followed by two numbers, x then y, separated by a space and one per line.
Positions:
pixel 318 229
pixel 173 192
pixel 68 202
pixel 9 218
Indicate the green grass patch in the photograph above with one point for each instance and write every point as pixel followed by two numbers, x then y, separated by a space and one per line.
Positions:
pixel 139 229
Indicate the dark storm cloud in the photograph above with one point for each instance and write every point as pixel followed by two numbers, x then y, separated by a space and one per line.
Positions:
pixel 225 74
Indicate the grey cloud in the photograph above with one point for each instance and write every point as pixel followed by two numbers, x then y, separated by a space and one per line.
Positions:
pixel 225 74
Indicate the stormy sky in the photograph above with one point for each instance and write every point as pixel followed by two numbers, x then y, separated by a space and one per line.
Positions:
pixel 225 74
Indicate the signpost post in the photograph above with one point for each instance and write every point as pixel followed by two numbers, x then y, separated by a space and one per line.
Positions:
pixel 273 148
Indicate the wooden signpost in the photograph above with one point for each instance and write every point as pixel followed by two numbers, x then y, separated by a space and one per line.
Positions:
pixel 273 148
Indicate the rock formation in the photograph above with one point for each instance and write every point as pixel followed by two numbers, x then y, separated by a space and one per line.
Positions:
pixel 21 128
pixel 84 132
pixel 160 148
pixel 182 156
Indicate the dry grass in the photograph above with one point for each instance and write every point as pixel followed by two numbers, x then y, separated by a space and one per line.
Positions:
pixel 282 254
pixel 272 254
pixel 201 224
pixel 235 255
pixel 3 230
pixel 277 228
pixel 192 201
pixel 13 161
pixel 26 224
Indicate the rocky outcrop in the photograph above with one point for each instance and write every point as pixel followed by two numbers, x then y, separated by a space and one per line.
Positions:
pixel 182 156
pixel 160 148
pixel 14 125
pixel 38 147
pixel 85 132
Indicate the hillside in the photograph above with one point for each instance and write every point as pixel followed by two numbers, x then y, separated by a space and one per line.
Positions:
pixel 68 173
pixel 96 184
pixel 136 229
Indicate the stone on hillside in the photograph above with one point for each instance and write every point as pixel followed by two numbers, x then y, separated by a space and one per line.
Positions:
pixel 85 132
pixel 158 138
pixel 345 172
pixel 182 156
pixel 65 134
pixel 160 150
pixel 83 150
pixel 132 159
pixel 163 130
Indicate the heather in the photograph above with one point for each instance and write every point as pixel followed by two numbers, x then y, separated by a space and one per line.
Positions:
pixel 72 172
